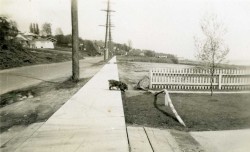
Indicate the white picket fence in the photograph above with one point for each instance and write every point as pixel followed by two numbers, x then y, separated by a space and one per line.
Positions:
pixel 199 79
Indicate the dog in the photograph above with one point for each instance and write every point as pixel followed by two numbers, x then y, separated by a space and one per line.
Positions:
pixel 118 84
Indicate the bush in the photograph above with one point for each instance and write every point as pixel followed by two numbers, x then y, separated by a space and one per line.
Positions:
pixel 149 53
pixel 134 52
pixel 175 60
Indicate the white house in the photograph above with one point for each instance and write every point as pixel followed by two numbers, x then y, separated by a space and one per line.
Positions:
pixel 35 41
pixel 42 43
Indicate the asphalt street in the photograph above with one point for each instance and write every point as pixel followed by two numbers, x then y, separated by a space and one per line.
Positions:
pixel 17 78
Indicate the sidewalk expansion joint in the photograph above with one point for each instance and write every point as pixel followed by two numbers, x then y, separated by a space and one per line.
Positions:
pixel 148 139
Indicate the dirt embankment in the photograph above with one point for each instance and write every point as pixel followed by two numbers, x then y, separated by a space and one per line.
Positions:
pixel 22 57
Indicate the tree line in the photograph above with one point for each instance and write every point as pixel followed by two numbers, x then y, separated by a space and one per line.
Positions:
pixel 34 28
pixel 45 31
pixel 8 31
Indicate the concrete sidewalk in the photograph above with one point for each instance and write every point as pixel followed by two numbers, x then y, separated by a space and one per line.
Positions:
pixel 92 120
pixel 224 141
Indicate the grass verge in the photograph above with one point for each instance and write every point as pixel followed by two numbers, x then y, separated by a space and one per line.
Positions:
pixel 200 112
pixel 146 59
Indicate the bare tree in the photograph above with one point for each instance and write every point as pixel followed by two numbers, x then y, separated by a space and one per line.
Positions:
pixel 211 49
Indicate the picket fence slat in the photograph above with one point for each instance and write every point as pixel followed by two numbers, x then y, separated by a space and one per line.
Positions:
pixel 199 79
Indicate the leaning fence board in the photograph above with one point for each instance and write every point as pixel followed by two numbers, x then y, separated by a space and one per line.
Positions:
pixel 168 102
pixel 199 79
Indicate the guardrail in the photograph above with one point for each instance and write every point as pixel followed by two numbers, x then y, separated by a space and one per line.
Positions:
pixel 199 79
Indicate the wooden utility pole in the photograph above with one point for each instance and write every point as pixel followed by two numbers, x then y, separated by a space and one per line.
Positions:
pixel 106 34
pixel 75 41
pixel 107 44
pixel 110 48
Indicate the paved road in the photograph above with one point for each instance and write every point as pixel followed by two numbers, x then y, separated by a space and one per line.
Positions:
pixel 91 121
pixel 17 78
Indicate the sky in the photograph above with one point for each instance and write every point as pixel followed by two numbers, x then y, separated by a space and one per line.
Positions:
pixel 167 26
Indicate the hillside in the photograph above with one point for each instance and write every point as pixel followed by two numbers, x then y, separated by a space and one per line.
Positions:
pixel 23 57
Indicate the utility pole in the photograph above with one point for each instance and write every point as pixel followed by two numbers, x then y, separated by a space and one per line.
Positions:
pixel 107 44
pixel 106 54
pixel 75 41
pixel 110 39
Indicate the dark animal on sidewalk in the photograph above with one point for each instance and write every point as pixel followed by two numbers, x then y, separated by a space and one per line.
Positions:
pixel 118 84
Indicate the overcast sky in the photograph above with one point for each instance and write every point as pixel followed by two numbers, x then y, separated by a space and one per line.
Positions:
pixel 161 25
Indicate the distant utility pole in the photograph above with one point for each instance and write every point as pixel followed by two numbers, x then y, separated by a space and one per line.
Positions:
pixel 75 41
pixel 106 34
pixel 108 46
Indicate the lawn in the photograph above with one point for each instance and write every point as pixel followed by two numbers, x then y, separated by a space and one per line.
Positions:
pixel 199 111
pixel 147 59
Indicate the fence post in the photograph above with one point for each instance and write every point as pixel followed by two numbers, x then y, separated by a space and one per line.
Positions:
pixel 220 78
pixel 150 78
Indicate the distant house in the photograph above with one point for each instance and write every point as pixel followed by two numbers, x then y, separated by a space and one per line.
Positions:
pixel 163 56
pixel 42 43
pixel 30 36
pixel 22 39
pixel 32 40
pixel 142 54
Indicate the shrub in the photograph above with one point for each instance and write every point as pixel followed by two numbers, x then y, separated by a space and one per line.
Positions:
pixel 175 60
pixel 134 52
pixel 149 53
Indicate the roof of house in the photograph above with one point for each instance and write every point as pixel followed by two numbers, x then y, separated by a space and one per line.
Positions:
pixel 26 37
pixel 29 34
pixel 21 37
